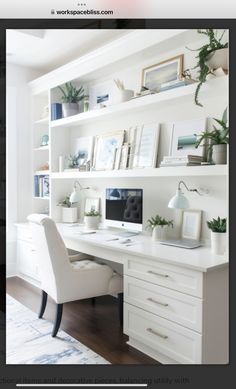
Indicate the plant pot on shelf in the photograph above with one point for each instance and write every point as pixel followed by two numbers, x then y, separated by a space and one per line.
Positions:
pixel 218 242
pixel 219 154
pixel 69 215
pixel 159 233
pixel 219 58
pixel 91 222
pixel 70 109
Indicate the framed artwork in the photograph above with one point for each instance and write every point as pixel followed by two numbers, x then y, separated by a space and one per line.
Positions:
pixel 146 146
pixel 92 204
pixel 84 149
pixel 124 156
pixel 101 94
pixel 184 137
pixel 105 149
pixel 45 186
pixel 166 71
pixel 191 224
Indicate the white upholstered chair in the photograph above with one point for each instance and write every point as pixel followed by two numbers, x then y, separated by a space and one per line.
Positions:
pixel 66 280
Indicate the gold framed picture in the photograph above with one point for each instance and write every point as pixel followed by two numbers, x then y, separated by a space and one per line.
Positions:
pixel 163 73
pixel 105 149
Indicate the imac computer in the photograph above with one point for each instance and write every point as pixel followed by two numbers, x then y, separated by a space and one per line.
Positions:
pixel 124 210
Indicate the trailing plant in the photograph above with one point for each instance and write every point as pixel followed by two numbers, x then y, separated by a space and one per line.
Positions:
pixel 217 225
pixel 65 202
pixel 204 52
pixel 92 213
pixel 70 94
pixel 158 221
pixel 218 136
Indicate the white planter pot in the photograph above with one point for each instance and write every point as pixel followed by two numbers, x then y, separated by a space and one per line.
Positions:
pixel 159 233
pixel 219 59
pixel 219 154
pixel 69 215
pixel 125 95
pixel 69 109
pixel 218 242
pixel 91 222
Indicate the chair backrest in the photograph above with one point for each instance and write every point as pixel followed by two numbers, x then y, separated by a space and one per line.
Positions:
pixel 51 251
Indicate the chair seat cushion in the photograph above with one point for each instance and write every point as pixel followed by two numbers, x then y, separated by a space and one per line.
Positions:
pixel 86 265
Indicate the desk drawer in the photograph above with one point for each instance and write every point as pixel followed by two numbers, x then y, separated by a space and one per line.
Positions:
pixel 169 304
pixel 163 336
pixel 159 273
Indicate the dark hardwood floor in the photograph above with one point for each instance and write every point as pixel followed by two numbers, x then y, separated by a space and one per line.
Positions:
pixel 96 326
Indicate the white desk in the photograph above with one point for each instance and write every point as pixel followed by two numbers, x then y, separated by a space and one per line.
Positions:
pixel 175 299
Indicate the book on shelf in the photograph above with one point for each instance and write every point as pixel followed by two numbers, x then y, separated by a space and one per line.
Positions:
pixel 180 164
pixel 184 158
pixel 41 186
pixel 175 84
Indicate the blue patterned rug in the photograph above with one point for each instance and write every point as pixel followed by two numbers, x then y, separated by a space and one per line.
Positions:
pixel 29 341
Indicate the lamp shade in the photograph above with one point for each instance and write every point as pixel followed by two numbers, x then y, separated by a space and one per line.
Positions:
pixel 75 196
pixel 179 201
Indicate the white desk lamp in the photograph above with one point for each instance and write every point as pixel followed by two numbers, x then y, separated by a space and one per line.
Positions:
pixel 179 201
pixel 75 195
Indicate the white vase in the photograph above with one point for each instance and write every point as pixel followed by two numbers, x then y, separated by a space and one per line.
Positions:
pixel 69 215
pixel 159 233
pixel 218 242
pixel 91 222
pixel 219 59
pixel 70 109
pixel 219 154
pixel 125 95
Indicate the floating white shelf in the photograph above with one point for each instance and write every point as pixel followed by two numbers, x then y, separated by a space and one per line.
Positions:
pixel 43 148
pixel 139 103
pixel 41 173
pixel 42 121
pixel 213 170
pixel 40 198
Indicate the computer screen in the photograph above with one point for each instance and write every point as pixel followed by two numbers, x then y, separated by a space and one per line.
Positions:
pixel 124 208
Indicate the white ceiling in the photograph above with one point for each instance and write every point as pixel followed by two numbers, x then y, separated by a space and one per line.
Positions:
pixel 46 50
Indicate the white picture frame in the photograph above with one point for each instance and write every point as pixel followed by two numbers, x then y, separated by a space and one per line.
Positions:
pixel 105 149
pixel 146 146
pixel 84 146
pixel 101 95
pixel 92 204
pixel 191 224
pixel 184 137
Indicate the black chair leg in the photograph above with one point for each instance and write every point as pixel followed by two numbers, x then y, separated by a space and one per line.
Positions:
pixel 93 300
pixel 43 304
pixel 57 320
pixel 120 307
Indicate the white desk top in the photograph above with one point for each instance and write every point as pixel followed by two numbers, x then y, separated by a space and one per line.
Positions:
pixel 200 259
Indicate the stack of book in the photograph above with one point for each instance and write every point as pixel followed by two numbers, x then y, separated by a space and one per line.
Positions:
pixel 175 84
pixel 41 186
pixel 187 160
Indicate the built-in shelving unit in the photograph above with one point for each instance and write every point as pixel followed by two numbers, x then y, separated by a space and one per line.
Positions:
pixel 126 54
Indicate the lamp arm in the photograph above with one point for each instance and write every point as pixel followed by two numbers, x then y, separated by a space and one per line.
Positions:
pixel 77 183
pixel 189 190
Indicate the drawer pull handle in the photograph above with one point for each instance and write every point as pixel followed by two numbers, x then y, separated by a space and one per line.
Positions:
pixel 157 302
pixel 158 274
pixel 157 333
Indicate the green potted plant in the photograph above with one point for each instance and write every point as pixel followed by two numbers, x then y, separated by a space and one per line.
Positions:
pixel 71 96
pixel 216 141
pixel 211 56
pixel 91 219
pixel 159 227
pixel 69 212
pixel 218 235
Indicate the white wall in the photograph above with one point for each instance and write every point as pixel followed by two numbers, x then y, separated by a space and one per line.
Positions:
pixel 18 154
